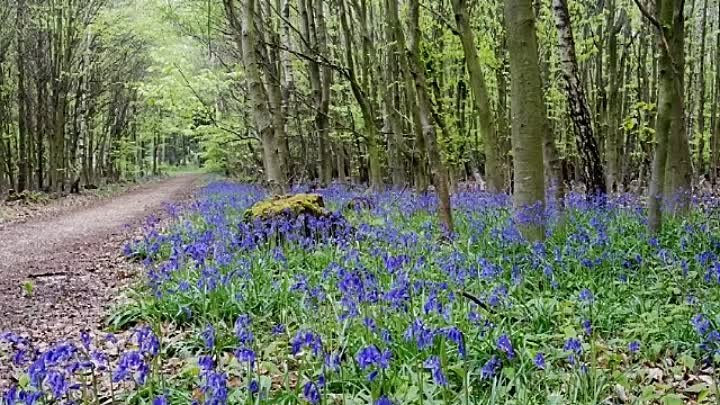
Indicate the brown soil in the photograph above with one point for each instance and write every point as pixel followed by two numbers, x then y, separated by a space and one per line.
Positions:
pixel 59 273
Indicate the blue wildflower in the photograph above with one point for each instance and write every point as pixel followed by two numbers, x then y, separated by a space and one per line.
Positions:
pixel 574 347
pixel 490 368
pixel 311 392
pixel 586 296
pixel 505 345
pixel 278 329
pixel 433 364
pixel 148 341
pixel 539 361
pixel 208 336
pixel 634 346
pixel 58 384
pixel 254 387
pixel 306 339
pixel 701 324
pixel 332 361
pixel 368 356
pixel 85 339
pixel 383 400
pixel 242 330
pixel 160 400
pixel 206 363
pixel 245 355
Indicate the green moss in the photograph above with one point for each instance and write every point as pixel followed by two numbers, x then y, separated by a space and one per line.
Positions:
pixel 295 205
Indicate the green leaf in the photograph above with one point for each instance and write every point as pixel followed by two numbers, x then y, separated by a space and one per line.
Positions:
pixel 673 399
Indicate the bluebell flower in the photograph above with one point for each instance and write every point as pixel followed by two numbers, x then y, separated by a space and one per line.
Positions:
pixel 208 336
pixel 160 400
pixel 634 346
pixel 586 296
pixel 455 335
pixel 245 355
pixel 10 396
pixel 490 368
pixel 85 339
pixel 30 398
pixel 383 400
pixel 587 327
pixel 368 356
pixel 306 339
pixel 206 363
pixel 701 324
pixel 332 361
pixel 215 388
pixel 147 340
pixel 254 387
pixel 57 383
pixel 574 348
pixel 131 362
pixel 311 392
pixel 423 335
pixel 539 360
pixel 242 330
pixel 433 364
pixel 386 336
pixel 505 345
pixel 278 329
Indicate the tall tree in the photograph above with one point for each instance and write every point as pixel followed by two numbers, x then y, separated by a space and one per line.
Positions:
pixel 437 167
pixel 592 169
pixel 670 179
pixel 488 129
pixel 529 120
pixel 258 94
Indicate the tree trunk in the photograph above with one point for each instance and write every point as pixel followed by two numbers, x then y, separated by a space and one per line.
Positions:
pixel 714 143
pixel 529 120
pixel 579 112
pixel 366 108
pixel 701 96
pixel 439 171
pixel 23 158
pixel 670 175
pixel 259 98
pixel 488 129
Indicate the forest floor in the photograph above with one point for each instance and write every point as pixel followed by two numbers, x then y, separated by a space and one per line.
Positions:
pixel 59 273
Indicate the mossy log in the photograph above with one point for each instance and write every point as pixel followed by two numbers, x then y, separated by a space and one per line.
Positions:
pixel 288 205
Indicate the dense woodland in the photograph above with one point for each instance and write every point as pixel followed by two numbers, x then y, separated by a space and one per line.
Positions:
pixel 514 96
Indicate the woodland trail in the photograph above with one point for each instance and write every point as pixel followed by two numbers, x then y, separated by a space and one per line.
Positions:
pixel 73 261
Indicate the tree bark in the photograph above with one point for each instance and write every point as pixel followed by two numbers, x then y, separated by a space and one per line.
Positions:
pixel 529 120
pixel 488 129
pixel 366 107
pixel 438 169
pixel 579 112
pixel 259 98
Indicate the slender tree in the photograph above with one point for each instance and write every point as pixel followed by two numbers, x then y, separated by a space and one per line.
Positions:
pixel 592 169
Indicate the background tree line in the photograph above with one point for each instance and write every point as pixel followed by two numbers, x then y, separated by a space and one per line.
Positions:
pixel 515 95
pixel 73 77
pixel 601 96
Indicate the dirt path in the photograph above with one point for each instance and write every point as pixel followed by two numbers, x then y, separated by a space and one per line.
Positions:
pixel 73 261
